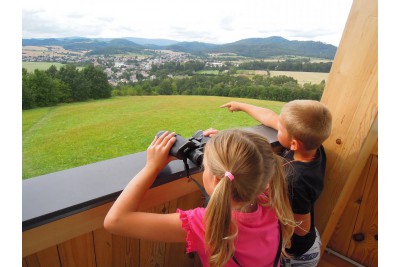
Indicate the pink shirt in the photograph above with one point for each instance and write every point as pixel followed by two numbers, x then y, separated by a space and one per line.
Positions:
pixel 256 244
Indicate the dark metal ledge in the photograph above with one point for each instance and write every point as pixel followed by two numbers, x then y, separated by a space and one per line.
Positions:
pixel 58 195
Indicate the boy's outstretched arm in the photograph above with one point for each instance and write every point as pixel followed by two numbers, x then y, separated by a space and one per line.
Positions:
pixel 263 115
pixel 124 219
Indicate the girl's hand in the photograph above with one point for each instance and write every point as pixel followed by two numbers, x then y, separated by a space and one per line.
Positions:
pixel 157 152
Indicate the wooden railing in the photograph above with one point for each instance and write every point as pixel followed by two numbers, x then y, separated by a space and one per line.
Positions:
pixel 80 239
pixel 63 214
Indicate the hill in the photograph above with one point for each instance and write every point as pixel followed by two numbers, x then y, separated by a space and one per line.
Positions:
pixel 260 48
pixel 192 47
pixel 252 47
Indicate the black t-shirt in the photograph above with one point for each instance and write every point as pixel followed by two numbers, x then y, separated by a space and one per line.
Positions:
pixel 305 184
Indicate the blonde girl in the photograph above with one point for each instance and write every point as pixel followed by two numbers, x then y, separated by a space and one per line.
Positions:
pixel 248 203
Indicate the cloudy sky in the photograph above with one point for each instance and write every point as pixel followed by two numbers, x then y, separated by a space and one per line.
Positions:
pixel 213 21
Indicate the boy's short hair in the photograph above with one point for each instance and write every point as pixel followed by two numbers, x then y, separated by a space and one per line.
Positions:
pixel 308 121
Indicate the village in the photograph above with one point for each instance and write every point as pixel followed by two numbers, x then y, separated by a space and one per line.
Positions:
pixel 120 69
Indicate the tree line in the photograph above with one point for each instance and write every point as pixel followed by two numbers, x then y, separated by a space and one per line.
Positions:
pixel 191 67
pixel 49 87
pixel 278 88
pixel 44 88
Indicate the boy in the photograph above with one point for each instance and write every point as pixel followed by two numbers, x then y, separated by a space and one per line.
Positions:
pixel 302 126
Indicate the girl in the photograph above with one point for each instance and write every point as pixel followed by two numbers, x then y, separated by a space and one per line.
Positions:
pixel 240 225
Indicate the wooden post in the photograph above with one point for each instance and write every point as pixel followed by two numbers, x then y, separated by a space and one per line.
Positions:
pixel 351 94
pixel 350 184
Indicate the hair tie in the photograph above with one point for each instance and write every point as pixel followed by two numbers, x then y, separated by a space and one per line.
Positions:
pixel 229 175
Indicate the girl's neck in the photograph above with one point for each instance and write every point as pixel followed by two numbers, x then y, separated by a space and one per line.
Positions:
pixel 245 207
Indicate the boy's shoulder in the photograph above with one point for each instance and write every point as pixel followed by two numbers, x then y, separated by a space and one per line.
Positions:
pixel 314 169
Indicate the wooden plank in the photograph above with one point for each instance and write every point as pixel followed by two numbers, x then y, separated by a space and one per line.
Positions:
pixel 330 260
pixel 45 258
pixel 352 180
pixel 375 150
pixel 366 251
pixel 175 256
pixel 32 261
pixel 351 94
pixel 103 247
pixel 341 237
pixel 153 253
pixel 125 251
pixel 175 253
pixel 78 252
pixel 197 261
pixel 59 231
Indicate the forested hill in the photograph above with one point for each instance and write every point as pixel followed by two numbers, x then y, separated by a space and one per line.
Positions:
pixel 252 47
pixel 272 46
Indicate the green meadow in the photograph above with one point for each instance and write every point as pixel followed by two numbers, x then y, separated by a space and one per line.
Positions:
pixel 31 66
pixel 76 134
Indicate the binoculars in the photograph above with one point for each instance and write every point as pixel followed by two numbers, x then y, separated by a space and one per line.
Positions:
pixel 192 148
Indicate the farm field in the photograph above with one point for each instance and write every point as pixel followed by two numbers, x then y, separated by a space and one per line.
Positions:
pixel 48 51
pixel 208 72
pixel 76 134
pixel 301 77
pixel 31 66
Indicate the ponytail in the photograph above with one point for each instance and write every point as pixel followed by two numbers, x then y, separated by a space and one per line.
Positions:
pixel 221 230
pixel 249 157
pixel 278 199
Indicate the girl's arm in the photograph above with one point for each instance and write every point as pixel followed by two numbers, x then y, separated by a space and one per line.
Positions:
pixel 124 219
pixel 263 115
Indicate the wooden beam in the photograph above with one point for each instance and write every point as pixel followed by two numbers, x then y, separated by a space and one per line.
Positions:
pixel 351 94
pixel 350 184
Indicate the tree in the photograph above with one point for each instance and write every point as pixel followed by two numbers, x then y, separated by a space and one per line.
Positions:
pixel 165 87
pixel 97 82
pixel 78 86
pixel 52 71
pixel 147 90
pixel 27 94
pixel 45 91
pixel 232 70
pixel 258 79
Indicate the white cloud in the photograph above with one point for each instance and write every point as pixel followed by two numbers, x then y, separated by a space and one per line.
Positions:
pixel 185 20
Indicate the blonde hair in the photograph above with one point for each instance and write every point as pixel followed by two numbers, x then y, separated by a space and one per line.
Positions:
pixel 249 157
pixel 308 121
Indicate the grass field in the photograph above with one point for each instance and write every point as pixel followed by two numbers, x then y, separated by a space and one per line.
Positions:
pixel 212 72
pixel 71 135
pixel 31 66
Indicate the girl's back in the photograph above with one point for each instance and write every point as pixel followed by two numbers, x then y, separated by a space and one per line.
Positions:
pixel 257 240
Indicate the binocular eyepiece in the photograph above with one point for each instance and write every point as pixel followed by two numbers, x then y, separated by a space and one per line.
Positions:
pixel 192 148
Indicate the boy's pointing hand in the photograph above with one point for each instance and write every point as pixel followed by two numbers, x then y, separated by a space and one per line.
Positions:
pixel 232 106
